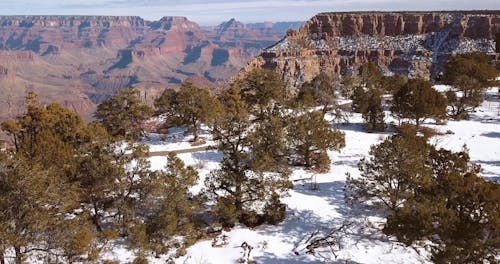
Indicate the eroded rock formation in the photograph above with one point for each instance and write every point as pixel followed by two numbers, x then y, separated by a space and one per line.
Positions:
pixel 80 60
pixel 408 43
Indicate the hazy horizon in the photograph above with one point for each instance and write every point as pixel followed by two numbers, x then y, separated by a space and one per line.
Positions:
pixel 209 13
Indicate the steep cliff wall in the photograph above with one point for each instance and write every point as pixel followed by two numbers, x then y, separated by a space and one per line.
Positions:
pixel 408 43
pixel 80 60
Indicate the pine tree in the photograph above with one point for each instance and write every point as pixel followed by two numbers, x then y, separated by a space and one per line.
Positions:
pixel 392 84
pixel 263 91
pixel 110 177
pixel 193 106
pixel 311 136
pixel 394 166
pixel 370 75
pixel 469 74
pixel 417 100
pixel 123 114
pixel 33 206
pixel 238 189
pixel 433 195
pixel 169 205
pixel 164 104
pixel 268 141
pixel 322 88
pixel 372 112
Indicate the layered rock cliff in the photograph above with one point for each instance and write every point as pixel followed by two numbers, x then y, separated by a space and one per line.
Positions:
pixel 80 60
pixel 408 43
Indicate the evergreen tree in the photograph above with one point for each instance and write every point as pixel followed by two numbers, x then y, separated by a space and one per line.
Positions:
pixel 322 88
pixel 169 204
pixel 349 85
pixel 164 104
pixel 110 178
pixel 392 84
pixel 33 206
pixel 394 166
pixel 268 141
pixel 263 92
pixel 123 114
pixel 370 75
pixel 469 74
pixel 193 106
pixel 431 195
pixel 240 190
pixel 373 114
pixel 311 136
pixel 417 100
pixel 366 84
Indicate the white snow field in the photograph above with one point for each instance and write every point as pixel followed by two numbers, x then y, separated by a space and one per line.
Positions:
pixel 319 211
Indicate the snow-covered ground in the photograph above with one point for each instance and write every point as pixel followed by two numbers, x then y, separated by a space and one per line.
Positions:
pixel 176 139
pixel 324 209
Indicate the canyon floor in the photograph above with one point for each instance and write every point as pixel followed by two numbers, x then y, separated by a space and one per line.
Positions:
pixel 316 212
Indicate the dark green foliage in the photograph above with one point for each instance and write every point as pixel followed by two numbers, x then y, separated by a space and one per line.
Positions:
pixel 372 112
pixel 432 195
pixel 242 184
pixel 263 91
pixel 349 84
pixel 366 90
pixel 123 114
pixel 369 104
pixel 359 99
pixel 370 75
pixel 268 140
pixel 190 107
pixel 168 199
pixel 392 84
pixel 395 164
pixel 69 187
pixel 469 74
pixel 32 205
pixel 310 137
pixel 322 89
pixel 164 104
pixel 417 100
pixel 109 188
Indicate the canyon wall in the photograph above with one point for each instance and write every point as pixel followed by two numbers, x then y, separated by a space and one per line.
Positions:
pixel 408 43
pixel 80 60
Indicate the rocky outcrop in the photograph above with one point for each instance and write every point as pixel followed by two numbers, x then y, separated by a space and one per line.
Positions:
pixel 3 72
pixel 408 43
pixel 80 60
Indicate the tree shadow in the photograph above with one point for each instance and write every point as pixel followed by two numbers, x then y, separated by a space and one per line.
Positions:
pixel 299 225
pixel 210 155
pixel 334 193
pixel 495 179
pixel 359 127
pixel 273 259
pixel 491 134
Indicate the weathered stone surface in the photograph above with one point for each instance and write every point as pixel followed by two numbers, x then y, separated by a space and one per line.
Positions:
pixel 408 43
pixel 80 60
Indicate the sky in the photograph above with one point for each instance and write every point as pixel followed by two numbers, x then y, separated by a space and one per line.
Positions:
pixel 212 12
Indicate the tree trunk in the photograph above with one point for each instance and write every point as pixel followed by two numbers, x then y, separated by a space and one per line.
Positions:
pixel 19 255
pixel 95 219
pixel 307 158
pixel 325 109
pixel 2 257
pixel 195 133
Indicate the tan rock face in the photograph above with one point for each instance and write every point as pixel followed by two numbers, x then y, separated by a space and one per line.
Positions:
pixel 80 60
pixel 408 43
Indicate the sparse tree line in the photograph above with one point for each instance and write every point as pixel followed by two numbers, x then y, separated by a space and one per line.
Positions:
pixel 68 188
pixel 468 75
